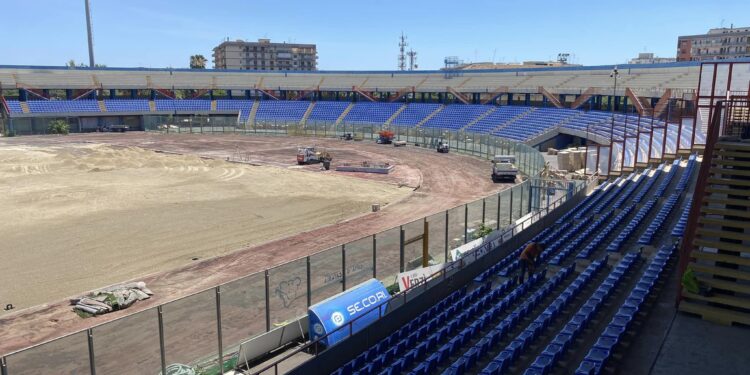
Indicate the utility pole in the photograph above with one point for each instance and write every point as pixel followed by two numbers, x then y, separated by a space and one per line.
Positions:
pixel 88 31
pixel 412 59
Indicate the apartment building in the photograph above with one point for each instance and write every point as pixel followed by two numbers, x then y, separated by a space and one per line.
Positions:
pixel 265 55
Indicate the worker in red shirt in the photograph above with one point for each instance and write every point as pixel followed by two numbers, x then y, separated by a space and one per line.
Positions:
pixel 528 258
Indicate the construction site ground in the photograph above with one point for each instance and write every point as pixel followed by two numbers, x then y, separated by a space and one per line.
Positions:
pixel 322 209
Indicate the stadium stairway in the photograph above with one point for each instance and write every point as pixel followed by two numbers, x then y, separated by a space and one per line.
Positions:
pixel 431 115
pixel 721 248
pixel 309 110
pixel 344 113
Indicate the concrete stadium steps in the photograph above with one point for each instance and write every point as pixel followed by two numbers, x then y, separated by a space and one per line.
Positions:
pixel 253 112
pixel 25 107
pixel 431 115
pixel 395 114
pixel 721 256
pixel 151 106
pixel 344 113
pixel 511 121
pixel 309 110
pixel 479 118
pixel 102 106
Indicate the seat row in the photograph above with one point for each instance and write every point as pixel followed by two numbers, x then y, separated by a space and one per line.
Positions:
pixel 505 359
pixel 649 184
pixel 607 188
pixel 634 224
pixel 601 352
pixel 508 324
pixel 616 192
pixel 685 178
pixel 667 179
pixel 582 237
pixel 658 221
pixel 556 350
pixel 679 228
pixel 580 206
pixel 497 267
pixel 586 252
pixel 625 196
pixel 435 358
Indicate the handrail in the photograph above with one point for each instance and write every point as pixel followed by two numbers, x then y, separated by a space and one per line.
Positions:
pixel 403 293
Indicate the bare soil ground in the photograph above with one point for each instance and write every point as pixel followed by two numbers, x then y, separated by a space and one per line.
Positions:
pixel 237 219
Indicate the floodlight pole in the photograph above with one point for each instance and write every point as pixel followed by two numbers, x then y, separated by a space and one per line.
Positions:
pixel 614 74
pixel 88 32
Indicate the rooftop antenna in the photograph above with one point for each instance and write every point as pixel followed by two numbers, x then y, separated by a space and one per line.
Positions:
pixel 412 54
pixel 89 34
pixel 402 52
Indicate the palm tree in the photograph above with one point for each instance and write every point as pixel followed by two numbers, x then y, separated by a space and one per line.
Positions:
pixel 197 62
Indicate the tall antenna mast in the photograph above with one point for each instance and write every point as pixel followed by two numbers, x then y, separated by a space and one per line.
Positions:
pixel 402 52
pixel 88 31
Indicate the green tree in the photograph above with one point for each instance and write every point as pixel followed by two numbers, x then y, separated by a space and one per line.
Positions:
pixel 198 62
pixel 58 127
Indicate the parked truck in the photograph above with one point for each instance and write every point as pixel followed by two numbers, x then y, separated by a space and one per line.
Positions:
pixel 504 168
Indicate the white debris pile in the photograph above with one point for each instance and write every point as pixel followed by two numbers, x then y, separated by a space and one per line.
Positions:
pixel 111 299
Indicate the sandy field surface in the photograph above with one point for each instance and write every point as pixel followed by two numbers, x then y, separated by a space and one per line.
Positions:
pixel 178 199
pixel 81 216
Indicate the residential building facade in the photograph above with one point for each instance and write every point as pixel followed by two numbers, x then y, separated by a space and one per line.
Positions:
pixel 265 55
pixel 717 44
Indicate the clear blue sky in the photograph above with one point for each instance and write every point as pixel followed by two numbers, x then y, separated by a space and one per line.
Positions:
pixel 358 35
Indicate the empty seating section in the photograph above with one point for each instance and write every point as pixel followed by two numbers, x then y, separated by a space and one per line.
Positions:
pixel 586 252
pixel 281 110
pixel 535 123
pixel 685 177
pixel 679 228
pixel 326 111
pixel 371 112
pixel 581 238
pixel 615 193
pixel 607 189
pixel 414 113
pixel 500 117
pixel 63 106
pixel 631 189
pixel 456 116
pixel 649 184
pixel 584 203
pixel 126 105
pixel 14 106
pixel 658 221
pixel 667 179
pixel 601 351
pixel 244 106
pixel 566 337
pixel 183 105
pixel 624 235
pixel 510 262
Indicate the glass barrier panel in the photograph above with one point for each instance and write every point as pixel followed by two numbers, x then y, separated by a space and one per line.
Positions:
pixel 138 336
pixel 490 211
pixel 474 220
pixel 657 143
pixel 387 255
pixel 604 160
pixel 243 309
pixel 190 336
pixel 413 242
pixel 287 286
pixel 456 226
pixel 326 278
pixel 67 355
pixel 358 261
pixel 671 139
pixel 436 236
pixel 505 208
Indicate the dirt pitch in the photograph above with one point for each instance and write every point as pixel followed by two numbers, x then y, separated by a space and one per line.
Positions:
pixel 129 212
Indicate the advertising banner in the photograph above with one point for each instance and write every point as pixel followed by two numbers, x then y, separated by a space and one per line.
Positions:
pixel 336 311
pixel 407 279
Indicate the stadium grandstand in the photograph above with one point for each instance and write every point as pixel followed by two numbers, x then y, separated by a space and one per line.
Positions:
pixel 650 232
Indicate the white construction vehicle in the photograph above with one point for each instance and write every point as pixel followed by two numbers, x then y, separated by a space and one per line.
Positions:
pixel 309 155
pixel 504 168
pixel 443 147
